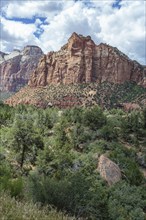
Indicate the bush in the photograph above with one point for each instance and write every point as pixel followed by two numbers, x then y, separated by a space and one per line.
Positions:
pixel 6 114
pixel 78 194
pixel 94 118
pixel 125 158
pixel 127 202
pixel 15 210
pixel 108 133
pixel 8 183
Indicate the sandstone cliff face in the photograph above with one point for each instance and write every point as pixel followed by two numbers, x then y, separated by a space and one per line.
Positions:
pixel 16 67
pixel 82 61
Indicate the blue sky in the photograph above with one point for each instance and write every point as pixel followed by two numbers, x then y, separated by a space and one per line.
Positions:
pixel 117 4
pixel 49 23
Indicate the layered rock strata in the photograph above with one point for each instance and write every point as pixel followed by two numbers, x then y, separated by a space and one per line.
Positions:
pixel 82 61
pixel 16 67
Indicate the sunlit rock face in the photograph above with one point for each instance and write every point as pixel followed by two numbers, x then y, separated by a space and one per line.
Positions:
pixel 16 67
pixel 80 73
pixel 82 61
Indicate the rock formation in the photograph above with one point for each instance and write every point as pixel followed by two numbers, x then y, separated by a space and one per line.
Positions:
pixel 16 67
pixel 109 170
pixel 82 61
pixel 82 73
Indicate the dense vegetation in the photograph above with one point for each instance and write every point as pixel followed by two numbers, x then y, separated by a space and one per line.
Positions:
pixel 49 158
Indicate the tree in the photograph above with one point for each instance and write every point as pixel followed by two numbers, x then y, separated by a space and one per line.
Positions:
pixel 109 133
pixel 74 115
pixel 6 113
pixel 24 140
pixel 61 137
pixel 94 118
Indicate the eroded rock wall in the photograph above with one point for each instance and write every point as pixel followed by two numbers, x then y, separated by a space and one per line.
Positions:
pixel 16 67
pixel 82 61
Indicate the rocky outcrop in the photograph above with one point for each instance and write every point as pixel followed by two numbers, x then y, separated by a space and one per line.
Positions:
pixel 82 61
pixel 108 170
pixel 82 73
pixel 16 67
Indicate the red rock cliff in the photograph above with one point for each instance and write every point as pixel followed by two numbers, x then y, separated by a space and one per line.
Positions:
pixel 16 67
pixel 82 61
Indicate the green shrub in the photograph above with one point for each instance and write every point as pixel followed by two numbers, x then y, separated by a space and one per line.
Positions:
pixel 108 133
pixel 127 202
pixel 125 158
pixel 8 182
pixel 11 209
pixel 78 194
pixel 94 118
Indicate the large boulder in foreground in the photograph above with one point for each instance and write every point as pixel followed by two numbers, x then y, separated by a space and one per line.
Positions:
pixel 109 171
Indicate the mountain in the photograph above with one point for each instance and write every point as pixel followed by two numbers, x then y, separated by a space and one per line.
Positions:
pixel 82 61
pixel 16 67
pixel 83 73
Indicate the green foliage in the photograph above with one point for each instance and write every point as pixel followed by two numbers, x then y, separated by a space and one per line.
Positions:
pixel 127 92
pixel 78 194
pixel 61 133
pixel 24 139
pixel 80 136
pixel 127 202
pixel 94 118
pixel 108 133
pixel 15 210
pixel 6 114
pixel 144 118
pixel 8 182
pixel 125 158
pixel 51 156
pixel 74 115
pixel 132 128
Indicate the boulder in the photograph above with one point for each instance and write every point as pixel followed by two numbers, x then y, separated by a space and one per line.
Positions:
pixel 108 170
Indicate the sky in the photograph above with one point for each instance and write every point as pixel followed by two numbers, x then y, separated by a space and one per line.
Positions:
pixel 49 23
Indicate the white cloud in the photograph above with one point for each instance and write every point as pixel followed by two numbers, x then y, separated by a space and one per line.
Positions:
pixel 30 8
pixel 124 28
pixel 16 34
pixel 76 18
pixel 18 29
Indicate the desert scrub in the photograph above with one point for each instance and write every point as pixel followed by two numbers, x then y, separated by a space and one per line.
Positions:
pixel 11 209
